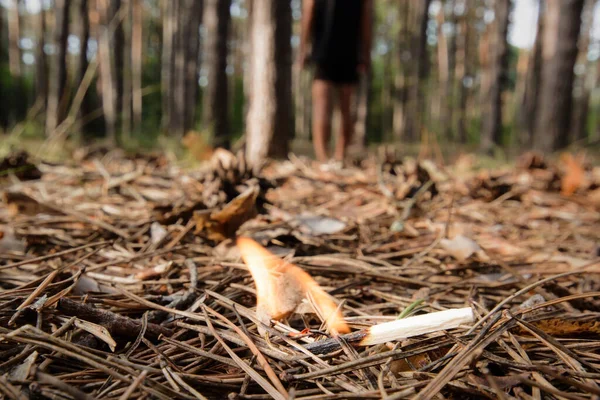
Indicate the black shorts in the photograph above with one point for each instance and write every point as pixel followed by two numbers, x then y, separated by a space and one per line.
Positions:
pixel 338 74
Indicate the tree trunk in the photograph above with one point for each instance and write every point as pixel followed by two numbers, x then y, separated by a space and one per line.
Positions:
pixel 584 84
pixel 363 97
pixel 41 63
pixel 84 37
pixel 117 46
pixel 363 94
pixel 192 62
pixel 419 71
pixel 109 105
pixel 14 35
pixel 216 105
pixel 125 73
pixel 169 26
pixel 181 43
pixel 58 79
pixel 559 52
pixel 462 72
pixel 492 115
pixel 528 110
pixel 269 114
pixel 400 78
pixel 136 63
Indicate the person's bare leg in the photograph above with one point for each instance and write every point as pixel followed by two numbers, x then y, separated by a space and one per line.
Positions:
pixel 347 126
pixel 321 99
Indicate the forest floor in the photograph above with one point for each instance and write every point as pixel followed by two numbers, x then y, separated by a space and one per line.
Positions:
pixel 120 277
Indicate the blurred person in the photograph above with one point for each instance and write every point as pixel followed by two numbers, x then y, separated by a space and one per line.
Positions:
pixel 339 35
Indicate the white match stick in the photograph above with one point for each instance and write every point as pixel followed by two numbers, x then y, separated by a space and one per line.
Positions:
pixel 397 330
pixel 418 325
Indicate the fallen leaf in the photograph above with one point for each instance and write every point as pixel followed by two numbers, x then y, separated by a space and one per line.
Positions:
pixel 574 174
pixel 460 247
pixel 157 232
pixel 9 242
pixel 222 224
pixel 21 371
pixel 97 330
pixel 281 287
pixel 319 225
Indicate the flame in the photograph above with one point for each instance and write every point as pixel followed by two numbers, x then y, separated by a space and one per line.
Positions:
pixel 281 287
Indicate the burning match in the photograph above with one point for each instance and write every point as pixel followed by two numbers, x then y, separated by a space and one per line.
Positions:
pixel 281 287
pixel 397 330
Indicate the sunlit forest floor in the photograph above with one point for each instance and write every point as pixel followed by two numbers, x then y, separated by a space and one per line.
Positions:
pixel 119 274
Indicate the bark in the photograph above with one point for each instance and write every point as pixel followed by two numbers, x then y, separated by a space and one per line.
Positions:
pixel 419 71
pixel 136 63
pixel 559 52
pixel 462 72
pixel 169 23
pixel 58 78
pixel 400 86
pixel 41 63
pixel 269 113
pixel 84 37
pixel 363 94
pixel 446 53
pixel 192 62
pixel 109 104
pixel 125 73
pixel 492 115
pixel 363 97
pixel 14 34
pixel 216 105
pixel 529 106
pixel 585 82
pixel 117 47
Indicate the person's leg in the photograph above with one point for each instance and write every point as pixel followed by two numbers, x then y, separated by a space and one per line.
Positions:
pixel 344 137
pixel 321 99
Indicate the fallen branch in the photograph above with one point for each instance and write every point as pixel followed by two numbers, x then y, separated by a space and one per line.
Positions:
pixel 116 324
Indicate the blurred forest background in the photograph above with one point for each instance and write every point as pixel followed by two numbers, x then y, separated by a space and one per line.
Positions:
pixel 134 72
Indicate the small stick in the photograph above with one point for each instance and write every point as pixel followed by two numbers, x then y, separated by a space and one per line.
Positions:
pixel 396 330
pixel 115 323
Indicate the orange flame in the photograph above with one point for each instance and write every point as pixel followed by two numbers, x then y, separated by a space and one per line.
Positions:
pixel 281 287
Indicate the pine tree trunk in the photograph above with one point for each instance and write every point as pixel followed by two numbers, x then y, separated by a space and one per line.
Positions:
pixel 269 114
pixel 559 52
pixel 363 94
pixel 117 46
pixel 84 37
pixel 584 84
pixel 41 63
pixel 462 72
pixel 492 115
pixel 420 70
pixel 136 63
pixel 400 78
pixel 169 22
pixel 216 105
pixel 528 110
pixel 192 62
pixel 109 105
pixel 14 35
pixel 125 74
pixel 58 78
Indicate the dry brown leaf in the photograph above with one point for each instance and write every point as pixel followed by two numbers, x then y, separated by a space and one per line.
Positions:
pixel 97 330
pixel 222 224
pixel 281 287
pixel 460 247
pixel 197 146
pixel 574 174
